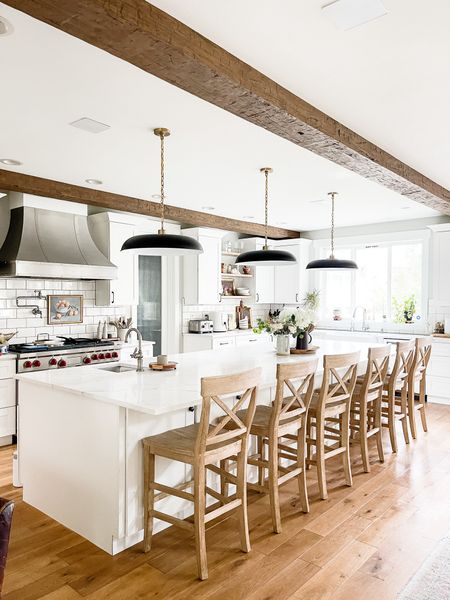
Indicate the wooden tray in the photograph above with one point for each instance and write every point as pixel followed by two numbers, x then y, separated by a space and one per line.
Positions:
pixel 441 335
pixel 169 367
pixel 310 350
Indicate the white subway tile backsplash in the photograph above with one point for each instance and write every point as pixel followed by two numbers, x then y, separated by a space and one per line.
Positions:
pixel 28 326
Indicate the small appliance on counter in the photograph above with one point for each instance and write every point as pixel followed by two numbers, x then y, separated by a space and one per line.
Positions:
pixel 220 321
pixel 200 326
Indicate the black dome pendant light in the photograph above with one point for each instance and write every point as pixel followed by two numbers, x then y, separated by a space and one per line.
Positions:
pixel 332 263
pixel 266 257
pixel 162 243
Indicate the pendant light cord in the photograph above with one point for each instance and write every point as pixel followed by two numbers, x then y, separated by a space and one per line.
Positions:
pixel 161 137
pixel 332 194
pixel 266 171
pixel 266 207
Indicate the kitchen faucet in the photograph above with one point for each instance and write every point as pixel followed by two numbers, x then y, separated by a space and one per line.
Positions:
pixel 137 353
pixel 364 325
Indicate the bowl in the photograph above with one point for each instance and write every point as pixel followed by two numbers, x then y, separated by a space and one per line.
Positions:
pixel 242 291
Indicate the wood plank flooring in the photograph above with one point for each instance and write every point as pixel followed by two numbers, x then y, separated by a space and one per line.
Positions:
pixel 364 542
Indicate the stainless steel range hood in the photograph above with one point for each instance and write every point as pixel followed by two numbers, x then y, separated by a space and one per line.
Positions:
pixel 49 244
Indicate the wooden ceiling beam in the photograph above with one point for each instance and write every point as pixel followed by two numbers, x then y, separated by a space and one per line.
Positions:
pixel 145 36
pixel 11 181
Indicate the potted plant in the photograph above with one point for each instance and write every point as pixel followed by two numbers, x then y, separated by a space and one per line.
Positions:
pixel 404 309
pixel 276 326
pixel 300 324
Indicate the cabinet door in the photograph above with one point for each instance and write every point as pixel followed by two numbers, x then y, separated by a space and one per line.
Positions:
pixel 264 283
pixel 441 266
pixel 122 288
pixel 287 280
pixel 208 290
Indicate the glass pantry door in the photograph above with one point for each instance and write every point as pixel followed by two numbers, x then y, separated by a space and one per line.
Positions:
pixel 149 308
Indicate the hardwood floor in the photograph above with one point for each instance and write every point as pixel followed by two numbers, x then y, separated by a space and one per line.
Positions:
pixel 363 542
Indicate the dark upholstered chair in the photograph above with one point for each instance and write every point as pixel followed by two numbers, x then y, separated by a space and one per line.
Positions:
pixel 6 512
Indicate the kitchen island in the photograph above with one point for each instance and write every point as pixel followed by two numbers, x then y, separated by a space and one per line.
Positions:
pixel 80 432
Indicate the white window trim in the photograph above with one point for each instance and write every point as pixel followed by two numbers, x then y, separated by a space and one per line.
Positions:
pixel 384 239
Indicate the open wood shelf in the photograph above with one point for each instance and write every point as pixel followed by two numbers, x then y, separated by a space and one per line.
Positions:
pixel 224 296
pixel 230 253
pixel 234 276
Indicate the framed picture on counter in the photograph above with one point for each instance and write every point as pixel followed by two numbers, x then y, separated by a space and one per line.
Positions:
pixel 63 309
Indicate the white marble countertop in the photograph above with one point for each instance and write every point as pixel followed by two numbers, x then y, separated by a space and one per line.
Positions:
pixel 158 393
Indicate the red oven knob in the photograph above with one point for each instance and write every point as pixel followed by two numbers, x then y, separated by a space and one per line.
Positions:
pixel 36 363
pixel 62 363
pixel 101 356
pixel 115 355
pixel 52 362
pixel 27 364
pixel 108 355
pixel 94 357
pixel 87 360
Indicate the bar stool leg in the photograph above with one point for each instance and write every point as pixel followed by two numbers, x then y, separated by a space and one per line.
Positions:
pixel 423 415
pixel 273 486
pixel 404 410
pixel 199 520
pixel 301 463
pixel 345 437
pixel 411 411
pixel 320 457
pixel 391 423
pixel 260 451
pixel 149 497
pixel 363 437
pixel 377 424
pixel 308 446
pixel 224 485
pixel 241 493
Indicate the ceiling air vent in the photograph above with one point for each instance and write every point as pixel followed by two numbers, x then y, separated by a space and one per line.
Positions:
pixel 90 125
pixel 347 14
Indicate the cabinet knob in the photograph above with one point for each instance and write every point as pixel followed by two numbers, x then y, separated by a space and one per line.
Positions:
pixel 296 297
pixel 257 297
pixel 191 409
pixel 112 297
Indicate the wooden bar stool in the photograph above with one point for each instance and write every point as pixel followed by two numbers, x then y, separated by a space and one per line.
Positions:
pixel 282 429
pixel 417 376
pixel 329 415
pixel 365 412
pixel 201 445
pixel 395 392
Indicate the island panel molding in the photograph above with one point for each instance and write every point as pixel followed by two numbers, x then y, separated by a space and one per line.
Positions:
pixel 11 181
pixel 149 38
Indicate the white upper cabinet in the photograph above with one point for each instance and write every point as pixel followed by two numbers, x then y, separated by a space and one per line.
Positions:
pixel 291 283
pixel 441 264
pixel 201 272
pixel 109 232
pixel 264 277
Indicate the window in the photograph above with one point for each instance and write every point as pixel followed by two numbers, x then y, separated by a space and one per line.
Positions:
pixel 390 272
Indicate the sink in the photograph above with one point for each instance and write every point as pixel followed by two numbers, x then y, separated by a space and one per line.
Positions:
pixel 118 368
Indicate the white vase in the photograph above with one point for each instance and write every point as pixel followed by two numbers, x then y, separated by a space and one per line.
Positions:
pixel 121 334
pixel 283 345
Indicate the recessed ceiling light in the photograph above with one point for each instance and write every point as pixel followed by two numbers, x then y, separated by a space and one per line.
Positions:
pixel 90 125
pixel 282 223
pixel 406 207
pixel 5 27
pixel 316 201
pixel 94 181
pixel 10 161
pixel 208 208
pixel 346 14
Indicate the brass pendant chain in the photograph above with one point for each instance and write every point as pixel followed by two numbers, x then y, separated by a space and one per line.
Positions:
pixel 161 137
pixel 332 194
pixel 266 171
pixel 162 132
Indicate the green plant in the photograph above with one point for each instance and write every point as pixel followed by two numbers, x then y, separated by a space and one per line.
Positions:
pixel 311 300
pixel 404 309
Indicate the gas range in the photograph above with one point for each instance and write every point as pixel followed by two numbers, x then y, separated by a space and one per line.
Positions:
pixel 75 352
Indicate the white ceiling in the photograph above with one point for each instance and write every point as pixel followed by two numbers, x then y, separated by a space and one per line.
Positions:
pixel 49 79
pixel 388 80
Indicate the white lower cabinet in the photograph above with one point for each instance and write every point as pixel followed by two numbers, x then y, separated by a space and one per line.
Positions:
pixel 7 399
pixel 438 372
pixel 195 342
